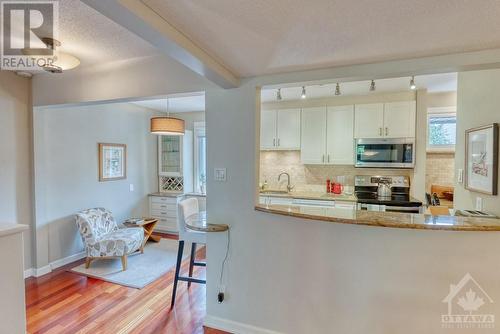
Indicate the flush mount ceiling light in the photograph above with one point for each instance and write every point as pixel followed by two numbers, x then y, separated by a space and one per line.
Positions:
pixel 372 86
pixel 412 83
pixel 168 126
pixel 278 95
pixel 303 95
pixel 55 61
pixel 337 89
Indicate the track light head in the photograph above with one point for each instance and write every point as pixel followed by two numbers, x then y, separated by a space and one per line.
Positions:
pixel 372 86
pixel 303 95
pixel 337 89
pixel 412 83
pixel 278 95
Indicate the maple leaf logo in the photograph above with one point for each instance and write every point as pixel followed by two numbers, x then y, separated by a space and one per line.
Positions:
pixel 470 302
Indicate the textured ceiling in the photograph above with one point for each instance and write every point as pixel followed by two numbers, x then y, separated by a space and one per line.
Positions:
pixel 94 38
pixel 434 83
pixel 268 36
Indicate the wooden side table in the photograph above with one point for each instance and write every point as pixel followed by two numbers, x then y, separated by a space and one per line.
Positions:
pixel 148 224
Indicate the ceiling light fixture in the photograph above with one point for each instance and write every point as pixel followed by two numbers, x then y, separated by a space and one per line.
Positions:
pixel 167 126
pixel 54 61
pixel 412 83
pixel 337 89
pixel 303 95
pixel 372 86
pixel 278 95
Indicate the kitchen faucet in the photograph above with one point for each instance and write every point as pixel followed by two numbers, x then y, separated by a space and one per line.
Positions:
pixel 288 186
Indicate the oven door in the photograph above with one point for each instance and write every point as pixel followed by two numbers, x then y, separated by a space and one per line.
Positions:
pixel 385 153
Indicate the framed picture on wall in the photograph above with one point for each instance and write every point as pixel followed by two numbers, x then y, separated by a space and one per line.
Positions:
pixel 481 159
pixel 112 162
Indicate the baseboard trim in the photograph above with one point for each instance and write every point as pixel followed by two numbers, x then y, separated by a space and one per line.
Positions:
pixel 37 272
pixel 234 327
pixel 64 261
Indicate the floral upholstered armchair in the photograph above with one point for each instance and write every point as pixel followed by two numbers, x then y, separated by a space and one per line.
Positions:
pixel 103 238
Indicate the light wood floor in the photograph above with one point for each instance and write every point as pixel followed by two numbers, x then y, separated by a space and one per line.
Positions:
pixel 63 302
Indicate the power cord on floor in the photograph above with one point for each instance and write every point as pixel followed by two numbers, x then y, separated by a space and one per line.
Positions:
pixel 220 295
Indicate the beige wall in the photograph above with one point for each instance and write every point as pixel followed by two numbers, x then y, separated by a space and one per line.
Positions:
pixel 66 170
pixel 15 154
pixel 478 104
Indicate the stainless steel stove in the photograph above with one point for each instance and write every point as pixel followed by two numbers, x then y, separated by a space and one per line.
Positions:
pixel 366 187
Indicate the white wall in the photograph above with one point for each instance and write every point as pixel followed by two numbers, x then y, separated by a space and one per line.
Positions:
pixel 15 155
pixel 302 276
pixel 66 170
pixel 478 104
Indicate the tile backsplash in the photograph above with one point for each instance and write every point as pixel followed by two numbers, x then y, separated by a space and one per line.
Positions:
pixel 440 170
pixel 311 177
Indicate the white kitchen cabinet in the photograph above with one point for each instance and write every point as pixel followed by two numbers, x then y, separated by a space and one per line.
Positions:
pixel 164 209
pixel 271 200
pixel 313 136
pixel 340 135
pixel 385 120
pixel 327 135
pixel 268 129
pixel 369 120
pixel 280 129
pixel 399 119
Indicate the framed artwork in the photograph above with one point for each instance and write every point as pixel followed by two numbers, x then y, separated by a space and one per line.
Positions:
pixel 112 162
pixel 481 159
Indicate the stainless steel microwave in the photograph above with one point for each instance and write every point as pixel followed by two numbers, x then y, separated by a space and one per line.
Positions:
pixel 385 153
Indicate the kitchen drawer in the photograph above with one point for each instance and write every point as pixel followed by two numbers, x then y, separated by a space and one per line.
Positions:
pixel 169 225
pixel 163 206
pixel 312 202
pixel 345 205
pixel 164 213
pixel 168 200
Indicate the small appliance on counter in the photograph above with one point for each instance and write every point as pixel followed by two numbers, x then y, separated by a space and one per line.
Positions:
pixel 385 193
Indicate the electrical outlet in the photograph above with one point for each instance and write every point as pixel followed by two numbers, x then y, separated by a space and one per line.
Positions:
pixel 479 204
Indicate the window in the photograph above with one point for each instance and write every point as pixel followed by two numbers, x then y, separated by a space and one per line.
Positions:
pixel 200 157
pixel 441 129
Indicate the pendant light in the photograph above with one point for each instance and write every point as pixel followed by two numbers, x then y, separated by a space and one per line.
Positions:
pixel 412 83
pixel 372 86
pixel 337 89
pixel 169 126
pixel 303 95
pixel 278 95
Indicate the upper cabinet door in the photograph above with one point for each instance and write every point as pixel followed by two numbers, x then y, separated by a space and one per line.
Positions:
pixel 313 136
pixel 340 135
pixel 268 130
pixel 399 119
pixel 368 120
pixel 288 133
pixel 170 155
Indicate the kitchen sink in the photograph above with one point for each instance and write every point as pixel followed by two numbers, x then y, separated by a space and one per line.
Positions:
pixel 274 192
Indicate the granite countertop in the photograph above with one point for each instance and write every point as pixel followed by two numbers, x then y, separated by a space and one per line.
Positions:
pixel 385 219
pixel 311 195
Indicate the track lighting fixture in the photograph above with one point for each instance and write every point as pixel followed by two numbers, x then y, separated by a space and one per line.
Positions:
pixel 303 95
pixel 412 83
pixel 372 86
pixel 337 89
pixel 278 95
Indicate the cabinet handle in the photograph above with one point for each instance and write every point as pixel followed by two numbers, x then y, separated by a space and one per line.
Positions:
pixel 278 142
pixel 323 158
pixel 328 157
pixel 274 142
pixel 380 131
pixel 386 131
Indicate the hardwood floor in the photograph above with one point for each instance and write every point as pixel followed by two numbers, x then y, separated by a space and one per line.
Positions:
pixel 63 302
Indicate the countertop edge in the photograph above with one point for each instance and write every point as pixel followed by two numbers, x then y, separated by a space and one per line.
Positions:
pixel 363 222
pixel 311 196
pixel 9 229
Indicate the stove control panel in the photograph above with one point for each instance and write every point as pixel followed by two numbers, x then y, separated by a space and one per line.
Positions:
pixel 372 181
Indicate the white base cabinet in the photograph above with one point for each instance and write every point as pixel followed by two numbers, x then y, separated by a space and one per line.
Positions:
pixel 165 210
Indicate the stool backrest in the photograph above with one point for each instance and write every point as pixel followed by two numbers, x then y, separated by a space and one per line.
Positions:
pixel 186 208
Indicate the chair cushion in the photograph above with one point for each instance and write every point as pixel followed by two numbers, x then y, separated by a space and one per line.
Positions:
pixel 117 243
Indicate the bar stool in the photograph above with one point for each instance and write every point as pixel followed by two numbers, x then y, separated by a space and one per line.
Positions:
pixel 185 209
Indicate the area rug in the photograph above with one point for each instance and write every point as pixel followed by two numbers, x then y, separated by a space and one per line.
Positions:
pixel 142 269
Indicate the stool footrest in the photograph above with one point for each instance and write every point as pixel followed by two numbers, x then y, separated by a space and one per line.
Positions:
pixel 201 264
pixel 192 280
